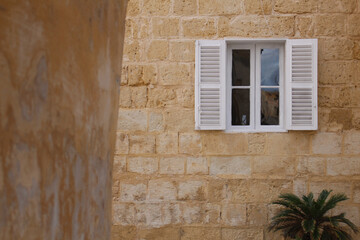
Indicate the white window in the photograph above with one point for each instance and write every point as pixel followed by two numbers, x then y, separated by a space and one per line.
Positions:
pixel 256 85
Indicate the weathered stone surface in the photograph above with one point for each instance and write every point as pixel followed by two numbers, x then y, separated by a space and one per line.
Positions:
pixel 165 27
pixel 294 6
pixel 337 187
pixel 336 72
pixel 323 28
pixel 225 144
pixel 122 143
pixel 190 143
pixel 335 49
pixel 192 190
pixel 174 74
pixel 304 26
pixel 265 191
pixel 123 232
pixel 182 51
pixel 199 27
pixel 162 190
pixel 253 26
pixel 172 165
pixel 156 7
pixel 166 233
pixel 167 143
pixel 179 120
pixel 256 214
pixel 158 50
pixel 191 233
pixel 141 74
pixel 143 165
pixel 142 144
pixel 353 25
pixel 233 214
pixel 256 143
pixel 343 166
pixel 274 165
pixel 311 165
pixel 334 6
pixel 356 193
pixel 352 142
pixel 124 214
pixel 220 7
pixel 197 165
pixel 132 192
pixel 132 120
pixel 289 143
pixel 156 122
pixel 258 6
pixel 230 166
pixel 149 214
pixel 326 143
pixel 188 7
pixel 240 234
pixel 119 166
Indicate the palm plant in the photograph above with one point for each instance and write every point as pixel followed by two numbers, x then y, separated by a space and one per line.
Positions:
pixel 305 218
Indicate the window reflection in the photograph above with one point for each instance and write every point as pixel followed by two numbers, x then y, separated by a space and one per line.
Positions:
pixel 270 67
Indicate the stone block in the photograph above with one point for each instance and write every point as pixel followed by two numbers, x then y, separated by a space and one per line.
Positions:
pixel 236 190
pixel 352 142
pixel 123 214
pixel 139 97
pixel 199 27
pixel 171 213
pixel 336 28
pixel 165 233
pixel 274 165
pixel 137 28
pixel 123 232
pixel 351 212
pixel 233 214
pixel 172 165
pixel 132 51
pixel 119 166
pixel 311 165
pixel 130 192
pixel 182 51
pixel 343 166
pixel 256 143
pixel 225 143
pixel 240 166
pixel 353 25
pixel 142 165
pixel 167 143
pixel 337 187
pixel 162 190
pixel 326 143
pixel 156 122
pixel 179 120
pixel 185 96
pixel 141 74
pixel 288 143
pixel 125 97
pixel 356 193
pixel 336 72
pixel 132 120
pixel 174 74
pixel 122 143
pixel 241 234
pixel 163 96
pixel 335 49
pixel 252 26
pixel 201 213
pixel 304 26
pixel 190 143
pixel 258 6
pixel 256 214
pixel 265 191
pixel 165 27
pixel 149 214
pixel 220 7
pixel 295 6
pixel 192 190
pixel 185 8
pixel 156 7
pixel 142 144
pixel 192 233
pixel 217 190
pixel 158 50
pixel 335 97
pixel 299 186
pixel 197 165
pixel 335 6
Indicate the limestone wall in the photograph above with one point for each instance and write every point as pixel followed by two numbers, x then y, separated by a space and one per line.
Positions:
pixel 172 182
pixel 60 67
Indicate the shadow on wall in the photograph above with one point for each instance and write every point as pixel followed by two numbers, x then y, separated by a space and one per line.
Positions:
pixel 60 65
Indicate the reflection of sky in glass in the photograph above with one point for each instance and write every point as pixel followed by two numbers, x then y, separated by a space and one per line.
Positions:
pixel 270 67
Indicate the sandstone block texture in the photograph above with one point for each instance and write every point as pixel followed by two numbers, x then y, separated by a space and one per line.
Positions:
pixel 60 68
pixel 179 183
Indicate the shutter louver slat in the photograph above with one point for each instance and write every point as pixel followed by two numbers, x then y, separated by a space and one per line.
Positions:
pixel 302 84
pixel 209 92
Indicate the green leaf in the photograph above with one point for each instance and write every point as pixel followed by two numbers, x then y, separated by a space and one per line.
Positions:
pixel 308 225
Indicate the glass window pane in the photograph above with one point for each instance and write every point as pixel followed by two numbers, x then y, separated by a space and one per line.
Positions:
pixel 241 67
pixel 269 106
pixel 240 108
pixel 270 67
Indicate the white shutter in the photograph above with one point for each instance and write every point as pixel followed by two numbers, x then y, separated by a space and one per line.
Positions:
pixel 210 85
pixel 301 84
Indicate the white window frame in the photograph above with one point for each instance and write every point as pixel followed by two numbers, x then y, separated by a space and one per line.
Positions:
pixel 255 81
